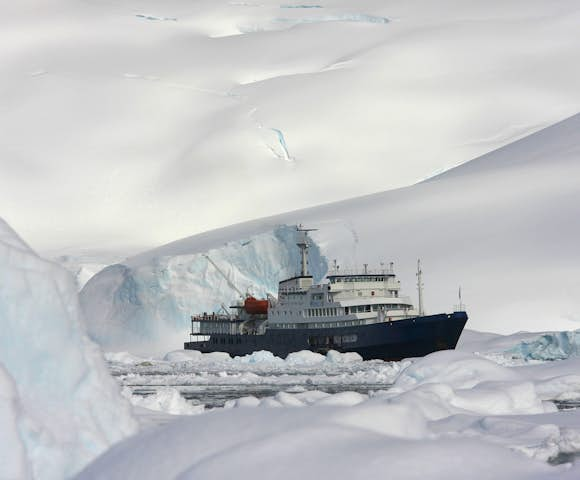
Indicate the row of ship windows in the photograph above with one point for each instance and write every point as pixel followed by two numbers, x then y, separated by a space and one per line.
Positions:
pixel 315 341
pixel 291 326
pixel 375 308
pixel 335 311
pixel 358 279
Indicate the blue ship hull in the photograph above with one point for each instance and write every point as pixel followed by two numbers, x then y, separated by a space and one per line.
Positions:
pixel 411 337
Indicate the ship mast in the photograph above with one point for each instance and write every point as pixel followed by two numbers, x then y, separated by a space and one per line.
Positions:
pixel 420 287
pixel 303 246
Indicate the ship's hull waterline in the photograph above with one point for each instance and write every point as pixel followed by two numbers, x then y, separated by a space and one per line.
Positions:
pixel 410 337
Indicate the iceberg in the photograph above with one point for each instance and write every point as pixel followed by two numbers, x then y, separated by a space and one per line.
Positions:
pixel 549 346
pixel 59 407
pixel 144 305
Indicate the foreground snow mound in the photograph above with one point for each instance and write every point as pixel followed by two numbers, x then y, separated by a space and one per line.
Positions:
pixel 549 346
pixel 457 369
pixel 449 382
pixel 357 442
pixel 59 406
pixel 452 414
pixel 146 304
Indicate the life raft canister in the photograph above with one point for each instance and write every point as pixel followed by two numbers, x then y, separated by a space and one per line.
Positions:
pixel 253 306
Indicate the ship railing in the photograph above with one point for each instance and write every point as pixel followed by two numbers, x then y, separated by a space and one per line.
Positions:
pixel 460 308
pixel 218 324
pixel 212 317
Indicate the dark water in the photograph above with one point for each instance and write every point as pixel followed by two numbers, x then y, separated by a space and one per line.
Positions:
pixel 567 404
pixel 564 457
pixel 214 396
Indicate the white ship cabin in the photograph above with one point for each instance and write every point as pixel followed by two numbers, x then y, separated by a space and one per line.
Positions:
pixel 345 299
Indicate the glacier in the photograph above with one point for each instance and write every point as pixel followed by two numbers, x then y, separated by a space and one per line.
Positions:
pixel 463 234
pixel 161 144
pixel 145 304
pixel 59 406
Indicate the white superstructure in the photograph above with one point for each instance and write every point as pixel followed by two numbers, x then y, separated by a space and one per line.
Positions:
pixel 345 299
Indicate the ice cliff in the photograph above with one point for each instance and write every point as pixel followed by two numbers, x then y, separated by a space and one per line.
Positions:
pixel 145 303
pixel 59 407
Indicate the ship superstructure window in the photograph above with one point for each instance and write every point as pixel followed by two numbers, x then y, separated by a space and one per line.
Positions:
pixel 358 278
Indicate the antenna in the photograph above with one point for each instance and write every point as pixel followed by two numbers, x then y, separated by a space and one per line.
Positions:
pixel 303 246
pixel 420 287
pixel 461 306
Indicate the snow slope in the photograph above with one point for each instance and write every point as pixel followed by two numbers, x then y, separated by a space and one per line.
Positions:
pixel 501 226
pixel 59 407
pixel 138 122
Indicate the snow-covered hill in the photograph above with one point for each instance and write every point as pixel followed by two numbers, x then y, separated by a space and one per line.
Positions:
pixel 502 226
pixel 59 407
pixel 138 122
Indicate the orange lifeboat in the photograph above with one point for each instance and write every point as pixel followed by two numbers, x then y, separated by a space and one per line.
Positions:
pixel 253 306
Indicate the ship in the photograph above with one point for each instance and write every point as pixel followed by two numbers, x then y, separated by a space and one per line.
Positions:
pixel 360 311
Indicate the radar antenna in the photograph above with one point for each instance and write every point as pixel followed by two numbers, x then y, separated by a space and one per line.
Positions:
pixel 303 246
pixel 461 306
pixel 420 287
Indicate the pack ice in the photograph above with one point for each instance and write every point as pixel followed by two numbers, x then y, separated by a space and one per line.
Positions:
pixel 450 415
pixel 59 407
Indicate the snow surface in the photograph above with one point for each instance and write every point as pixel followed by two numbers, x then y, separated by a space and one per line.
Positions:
pixel 146 121
pixel 453 414
pixel 59 407
pixel 500 226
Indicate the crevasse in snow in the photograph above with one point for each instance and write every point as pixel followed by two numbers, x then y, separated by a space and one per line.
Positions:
pixel 59 407
pixel 146 305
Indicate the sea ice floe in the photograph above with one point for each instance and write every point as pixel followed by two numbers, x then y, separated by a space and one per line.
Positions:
pixel 442 413
pixel 549 346
pixel 167 400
